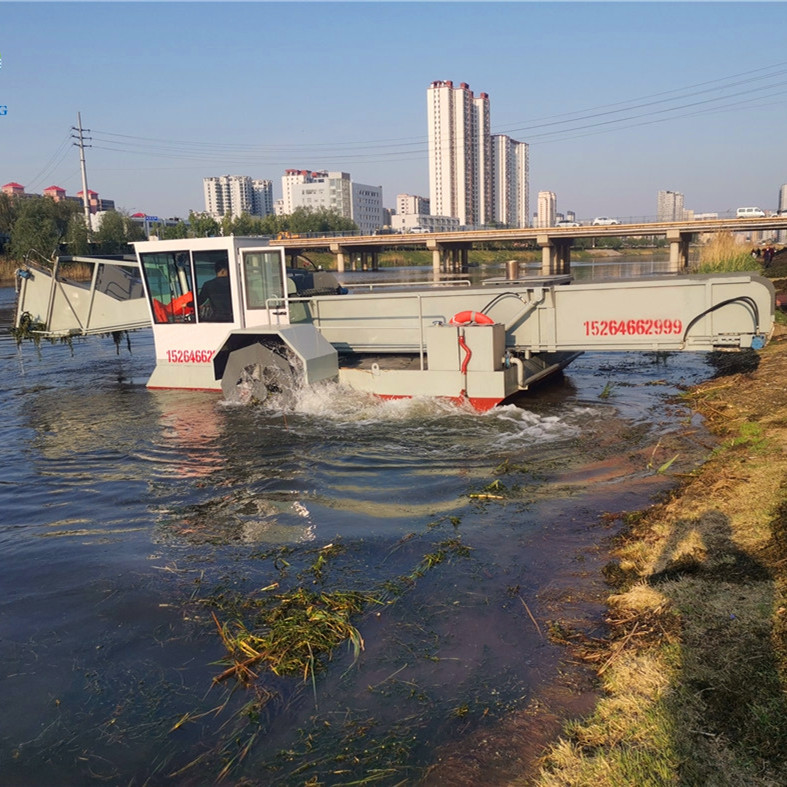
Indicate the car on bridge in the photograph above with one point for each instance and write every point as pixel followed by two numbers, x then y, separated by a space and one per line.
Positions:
pixel 603 221
pixel 565 223
pixel 750 213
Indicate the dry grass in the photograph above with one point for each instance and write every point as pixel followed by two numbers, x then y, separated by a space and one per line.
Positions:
pixel 695 672
pixel 723 252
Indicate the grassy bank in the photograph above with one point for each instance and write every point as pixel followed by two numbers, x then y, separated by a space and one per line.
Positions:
pixel 692 677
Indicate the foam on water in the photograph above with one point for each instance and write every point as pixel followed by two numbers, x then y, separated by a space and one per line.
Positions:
pixel 503 426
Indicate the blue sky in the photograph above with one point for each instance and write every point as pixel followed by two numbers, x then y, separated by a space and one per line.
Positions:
pixel 617 100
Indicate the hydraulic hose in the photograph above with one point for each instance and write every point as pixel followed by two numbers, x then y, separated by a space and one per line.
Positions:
pixel 748 300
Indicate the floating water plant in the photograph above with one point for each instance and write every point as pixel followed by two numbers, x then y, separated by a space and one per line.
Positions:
pixel 607 392
pixel 294 633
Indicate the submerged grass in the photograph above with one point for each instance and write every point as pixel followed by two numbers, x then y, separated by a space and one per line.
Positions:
pixel 277 634
pixel 694 674
pixel 292 633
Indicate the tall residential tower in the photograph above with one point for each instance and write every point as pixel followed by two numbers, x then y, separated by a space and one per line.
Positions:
pixel 236 194
pixel 670 206
pixel 459 152
pixel 547 209
pixel 474 176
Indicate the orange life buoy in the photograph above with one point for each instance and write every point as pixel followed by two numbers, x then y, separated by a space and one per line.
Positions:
pixel 466 318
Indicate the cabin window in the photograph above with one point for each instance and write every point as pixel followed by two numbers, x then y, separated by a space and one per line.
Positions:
pixel 263 272
pixel 214 296
pixel 170 287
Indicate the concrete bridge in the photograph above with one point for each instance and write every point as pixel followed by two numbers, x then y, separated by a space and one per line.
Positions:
pixel 450 249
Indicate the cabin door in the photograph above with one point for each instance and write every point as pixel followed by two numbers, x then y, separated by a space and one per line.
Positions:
pixel 264 287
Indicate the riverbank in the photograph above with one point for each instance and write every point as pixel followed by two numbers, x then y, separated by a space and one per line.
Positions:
pixel 691 677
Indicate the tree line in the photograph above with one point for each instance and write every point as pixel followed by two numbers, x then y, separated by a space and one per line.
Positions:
pixel 41 227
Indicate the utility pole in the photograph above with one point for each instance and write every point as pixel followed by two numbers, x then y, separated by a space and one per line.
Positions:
pixel 85 196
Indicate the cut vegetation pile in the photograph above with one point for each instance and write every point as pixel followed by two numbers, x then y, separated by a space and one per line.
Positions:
pixel 694 674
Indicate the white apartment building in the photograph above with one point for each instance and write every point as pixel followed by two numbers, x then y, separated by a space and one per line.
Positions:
pixel 546 209
pixel 474 175
pixel 413 211
pixel 459 153
pixel 670 206
pixel 367 207
pixel 510 181
pixel 262 197
pixel 409 203
pixel 333 191
pixel 236 194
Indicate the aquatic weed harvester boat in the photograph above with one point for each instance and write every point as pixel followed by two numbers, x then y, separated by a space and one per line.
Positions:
pixel 228 315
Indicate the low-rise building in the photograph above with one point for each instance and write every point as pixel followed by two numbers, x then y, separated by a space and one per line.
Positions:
pixel 333 191
pixel 424 222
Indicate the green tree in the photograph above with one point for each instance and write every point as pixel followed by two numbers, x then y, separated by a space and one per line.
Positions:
pixel 305 220
pixel 76 239
pixel 203 225
pixel 243 225
pixel 116 231
pixel 41 224
pixel 272 224
pixel 163 232
pixel 7 213
pixel 134 230
pixel 111 235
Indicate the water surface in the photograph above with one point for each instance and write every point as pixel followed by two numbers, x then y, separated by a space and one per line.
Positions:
pixel 129 515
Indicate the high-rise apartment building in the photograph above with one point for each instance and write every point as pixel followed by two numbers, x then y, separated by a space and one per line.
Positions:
pixel 546 209
pixel 262 197
pixel 510 181
pixel 232 195
pixel 459 152
pixel 670 206
pixel 367 207
pixel 474 176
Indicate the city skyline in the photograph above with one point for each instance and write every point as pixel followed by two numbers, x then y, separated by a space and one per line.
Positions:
pixel 612 120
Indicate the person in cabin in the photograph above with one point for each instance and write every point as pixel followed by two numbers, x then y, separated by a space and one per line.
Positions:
pixel 215 302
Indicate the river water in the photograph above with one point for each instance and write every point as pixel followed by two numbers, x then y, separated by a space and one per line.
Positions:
pixel 130 518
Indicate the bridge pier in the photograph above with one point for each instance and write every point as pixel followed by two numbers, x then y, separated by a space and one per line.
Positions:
pixel 339 252
pixel 555 254
pixel 448 258
pixel 363 258
pixel 678 250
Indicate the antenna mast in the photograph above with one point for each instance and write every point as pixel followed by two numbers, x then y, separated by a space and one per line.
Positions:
pixel 81 145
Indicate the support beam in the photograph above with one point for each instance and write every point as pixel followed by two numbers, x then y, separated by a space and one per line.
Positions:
pixel 449 257
pixel 340 253
pixel 555 254
pixel 436 262
pixel 678 250
pixel 548 255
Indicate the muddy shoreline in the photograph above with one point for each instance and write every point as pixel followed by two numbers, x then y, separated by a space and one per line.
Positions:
pixel 710 555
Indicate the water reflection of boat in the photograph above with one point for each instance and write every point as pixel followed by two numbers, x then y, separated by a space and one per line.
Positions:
pixel 462 342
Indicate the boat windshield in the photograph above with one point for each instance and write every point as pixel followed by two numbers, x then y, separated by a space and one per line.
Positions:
pixel 264 279
pixel 171 278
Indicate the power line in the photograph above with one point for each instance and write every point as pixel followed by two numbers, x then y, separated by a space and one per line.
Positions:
pixel 658 107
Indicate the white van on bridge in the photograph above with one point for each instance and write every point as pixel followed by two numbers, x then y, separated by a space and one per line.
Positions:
pixel 750 213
